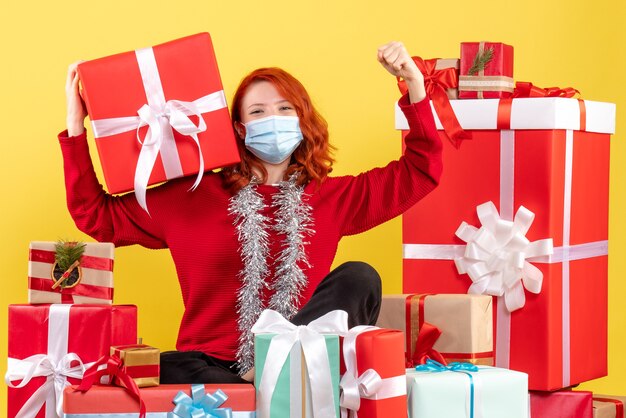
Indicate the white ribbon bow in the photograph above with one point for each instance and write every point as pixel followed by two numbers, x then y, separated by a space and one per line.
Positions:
pixel 369 385
pixel 496 253
pixel 51 392
pixel 315 355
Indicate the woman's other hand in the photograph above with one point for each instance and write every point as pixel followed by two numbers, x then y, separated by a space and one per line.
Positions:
pixel 76 111
pixel 395 58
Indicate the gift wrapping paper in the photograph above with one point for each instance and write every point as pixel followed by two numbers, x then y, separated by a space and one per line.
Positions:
pixel 560 404
pixel 115 402
pixel 465 322
pixel 541 161
pixel 171 97
pixel 608 406
pixel 96 275
pixel 292 396
pixel 53 341
pixel 374 383
pixel 497 393
pixel 495 80
pixel 141 363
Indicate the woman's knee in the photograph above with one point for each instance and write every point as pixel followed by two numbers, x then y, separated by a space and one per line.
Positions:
pixel 359 276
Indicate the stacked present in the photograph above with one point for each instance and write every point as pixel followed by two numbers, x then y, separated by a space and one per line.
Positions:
pixel 72 352
pixel 521 216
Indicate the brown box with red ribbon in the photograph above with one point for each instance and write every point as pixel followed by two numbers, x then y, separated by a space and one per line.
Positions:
pixel 170 96
pixel 89 281
pixel 444 327
pixel 608 406
pixel 549 155
pixel 486 70
pixel 140 362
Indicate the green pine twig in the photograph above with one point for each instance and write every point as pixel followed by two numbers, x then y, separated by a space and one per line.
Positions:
pixel 481 61
pixel 68 252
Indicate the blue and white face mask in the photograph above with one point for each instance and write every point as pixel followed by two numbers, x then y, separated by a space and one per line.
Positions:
pixel 273 139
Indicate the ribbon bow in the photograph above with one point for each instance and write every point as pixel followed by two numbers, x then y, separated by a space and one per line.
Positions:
pixel 495 255
pixel 314 348
pixel 436 82
pixel 527 89
pixel 426 339
pixel 114 369
pixel 160 122
pixel 200 404
pixel 56 373
pixel 368 385
pixel 435 366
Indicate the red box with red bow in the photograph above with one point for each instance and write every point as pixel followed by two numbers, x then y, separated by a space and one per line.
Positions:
pixel 53 341
pixel 374 382
pixel 158 113
pixel 550 155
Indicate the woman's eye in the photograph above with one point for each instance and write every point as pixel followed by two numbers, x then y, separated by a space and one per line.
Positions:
pixel 256 112
pixel 286 108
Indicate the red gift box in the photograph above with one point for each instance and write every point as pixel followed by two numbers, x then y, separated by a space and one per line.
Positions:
pixel 562 175
pixel 561 404
pixel 95 284
pixel 495 80
pixel 374 382
pixel 174 88
pixel 53 341
pixel 105 400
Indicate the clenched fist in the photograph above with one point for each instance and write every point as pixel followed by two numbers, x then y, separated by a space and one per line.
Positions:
pixel 395 58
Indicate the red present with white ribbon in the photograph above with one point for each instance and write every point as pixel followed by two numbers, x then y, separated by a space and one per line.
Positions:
pixel 50 346
pixel 374 382
pixel 95 278
pixel 551 156
pixel 158 113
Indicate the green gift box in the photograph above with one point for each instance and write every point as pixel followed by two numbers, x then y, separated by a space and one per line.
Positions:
pixel 292 395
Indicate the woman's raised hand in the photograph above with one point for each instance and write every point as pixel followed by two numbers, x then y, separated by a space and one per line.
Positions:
pixel 76 111
pixel 395 58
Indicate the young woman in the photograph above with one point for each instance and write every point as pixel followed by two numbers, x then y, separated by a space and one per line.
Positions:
pixel 263 233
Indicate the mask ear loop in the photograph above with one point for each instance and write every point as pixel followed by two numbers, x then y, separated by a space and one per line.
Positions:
pixel 240 129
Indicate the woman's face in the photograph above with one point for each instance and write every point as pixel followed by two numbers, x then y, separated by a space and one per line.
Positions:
pixel 263 100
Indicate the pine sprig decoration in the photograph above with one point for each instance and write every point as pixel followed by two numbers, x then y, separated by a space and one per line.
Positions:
pixel 68 252
pixel 481 61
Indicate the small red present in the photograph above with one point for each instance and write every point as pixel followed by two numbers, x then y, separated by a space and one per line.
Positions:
pixel 50 346
pixel 374 382
pixel 543 154
pixel 561 404
pixel 158 113
pixel 141 363
pixel 159 400
pixel 608 406
pixel 90 281
pixel 486 70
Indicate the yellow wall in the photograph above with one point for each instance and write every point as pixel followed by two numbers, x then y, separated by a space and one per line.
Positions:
pixel 331 46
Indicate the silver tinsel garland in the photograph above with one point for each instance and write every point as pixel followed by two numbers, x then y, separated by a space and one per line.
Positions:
pixel 293 220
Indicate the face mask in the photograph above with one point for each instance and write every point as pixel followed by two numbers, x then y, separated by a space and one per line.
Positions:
pixel 274 138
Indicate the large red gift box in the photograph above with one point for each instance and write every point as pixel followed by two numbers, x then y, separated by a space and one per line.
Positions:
pixel 561 404
pixel 493 81
pixel 114 401
pixel 165 87
pixel 53 341
pixel 374 381
pixel 542 160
